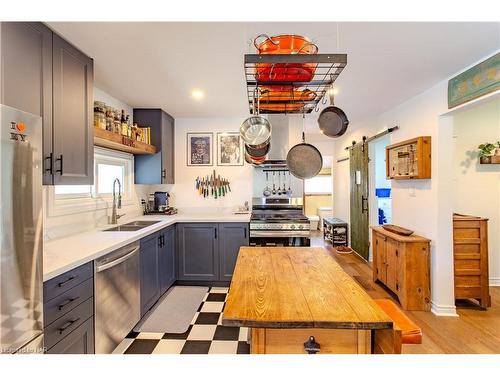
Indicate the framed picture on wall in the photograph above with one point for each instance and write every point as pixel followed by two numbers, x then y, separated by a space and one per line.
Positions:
pixel 229 149
pixel 199 149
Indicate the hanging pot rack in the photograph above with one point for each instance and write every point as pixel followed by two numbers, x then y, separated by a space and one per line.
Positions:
pixel 328 68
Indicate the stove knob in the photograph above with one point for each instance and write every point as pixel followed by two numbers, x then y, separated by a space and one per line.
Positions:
pixel 292 226
pixel 301 226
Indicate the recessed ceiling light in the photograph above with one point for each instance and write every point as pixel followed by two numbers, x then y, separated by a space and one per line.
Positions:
pixel 197 94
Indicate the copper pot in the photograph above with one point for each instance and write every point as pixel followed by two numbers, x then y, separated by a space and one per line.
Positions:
pixel 285 45
pixel 290 95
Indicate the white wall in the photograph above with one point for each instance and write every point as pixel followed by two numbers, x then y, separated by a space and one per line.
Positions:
pixel 416 204
pixel 477 187
pixel 183 193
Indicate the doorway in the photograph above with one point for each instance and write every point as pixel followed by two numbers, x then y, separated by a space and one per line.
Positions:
pixel 358 162
pixel 380 186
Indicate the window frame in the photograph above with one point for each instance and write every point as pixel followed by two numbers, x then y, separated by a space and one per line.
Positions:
pixel 320 192
pixel 66 204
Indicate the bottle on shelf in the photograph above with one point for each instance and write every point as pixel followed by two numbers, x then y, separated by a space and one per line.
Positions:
pixel 129 127
pixel 124 124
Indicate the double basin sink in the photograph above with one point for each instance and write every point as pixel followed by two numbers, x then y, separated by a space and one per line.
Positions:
pixel 132 226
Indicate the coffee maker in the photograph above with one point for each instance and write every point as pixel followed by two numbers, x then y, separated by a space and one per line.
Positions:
pixel 161 201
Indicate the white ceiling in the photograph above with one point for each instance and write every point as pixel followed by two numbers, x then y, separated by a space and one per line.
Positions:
pixel 158 64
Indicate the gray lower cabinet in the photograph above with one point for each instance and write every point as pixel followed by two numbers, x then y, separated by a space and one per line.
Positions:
pixel 157 168
pixel 208 251
pixel 150 281
pixel 68 307
pixel 232 237
pixel 198 252
pixel 45 75
pixel 166 259
pixel 79 341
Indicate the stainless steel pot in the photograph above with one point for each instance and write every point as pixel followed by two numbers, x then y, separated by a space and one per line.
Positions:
pixel 257 152
pixel 255 130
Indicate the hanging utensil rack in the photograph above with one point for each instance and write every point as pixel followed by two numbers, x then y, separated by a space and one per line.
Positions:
pixel 328 68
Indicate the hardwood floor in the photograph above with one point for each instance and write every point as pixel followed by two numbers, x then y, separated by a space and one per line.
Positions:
pixel 474 331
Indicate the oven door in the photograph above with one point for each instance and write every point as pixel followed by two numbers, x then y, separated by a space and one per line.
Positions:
pixel 279 238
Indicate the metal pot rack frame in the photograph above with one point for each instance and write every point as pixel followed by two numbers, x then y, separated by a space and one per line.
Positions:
pixel 329 67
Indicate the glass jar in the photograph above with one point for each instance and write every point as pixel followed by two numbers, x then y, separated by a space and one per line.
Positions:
pixel 117 126
pixel 99 115
pixel 109 118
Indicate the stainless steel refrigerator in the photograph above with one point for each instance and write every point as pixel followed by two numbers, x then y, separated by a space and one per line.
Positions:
pixel 21 232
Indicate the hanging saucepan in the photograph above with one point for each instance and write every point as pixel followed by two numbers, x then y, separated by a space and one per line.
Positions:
pixel 257 152
pixel 332 120
pixel 255 130
pixel 255 161
pixel 304 160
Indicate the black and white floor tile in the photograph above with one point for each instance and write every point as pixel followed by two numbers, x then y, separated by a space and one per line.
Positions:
pixel 205 335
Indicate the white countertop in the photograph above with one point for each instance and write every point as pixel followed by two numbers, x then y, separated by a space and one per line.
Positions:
pixel 66 253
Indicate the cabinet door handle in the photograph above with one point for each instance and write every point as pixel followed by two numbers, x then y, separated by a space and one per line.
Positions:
pixel 62 283
pixel 50 167
pixel 245 232
pixel 63 305
pixel 159 241
pixel 60 159
pixel 164 174
pixel 215 233
pixel 162 240
pixel 67 325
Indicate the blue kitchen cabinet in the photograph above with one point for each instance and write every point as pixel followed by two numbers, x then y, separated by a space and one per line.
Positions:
pixel 208 251
pixel 166 259
pixel 232 237
pixel 150 280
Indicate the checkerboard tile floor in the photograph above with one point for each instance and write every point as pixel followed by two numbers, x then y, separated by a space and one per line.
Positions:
pixel 205 335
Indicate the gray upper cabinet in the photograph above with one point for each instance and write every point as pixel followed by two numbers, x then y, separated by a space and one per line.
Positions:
pixel 45 75
pixel 232 237
pixel 157 168
pixel 27 76
pixel 73 141
pixel 198 253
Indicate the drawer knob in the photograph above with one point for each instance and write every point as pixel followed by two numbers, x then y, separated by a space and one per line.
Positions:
pixel 311 346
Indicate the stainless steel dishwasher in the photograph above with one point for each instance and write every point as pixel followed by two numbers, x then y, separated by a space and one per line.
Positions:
pixel 117 296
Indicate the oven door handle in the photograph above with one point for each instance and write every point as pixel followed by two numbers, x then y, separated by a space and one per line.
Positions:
pixel 258 233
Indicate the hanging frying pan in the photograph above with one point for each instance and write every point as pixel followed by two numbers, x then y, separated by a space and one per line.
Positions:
pixel 332 120
pixel 304 160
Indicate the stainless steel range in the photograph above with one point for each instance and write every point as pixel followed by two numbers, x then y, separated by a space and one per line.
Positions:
pixel 279 222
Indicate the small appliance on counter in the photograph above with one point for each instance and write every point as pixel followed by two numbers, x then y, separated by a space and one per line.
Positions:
pixel 157 204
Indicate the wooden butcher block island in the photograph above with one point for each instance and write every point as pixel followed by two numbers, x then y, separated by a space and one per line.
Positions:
pixel 299 300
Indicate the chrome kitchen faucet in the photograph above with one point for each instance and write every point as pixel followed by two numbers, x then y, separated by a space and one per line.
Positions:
pixel 117 202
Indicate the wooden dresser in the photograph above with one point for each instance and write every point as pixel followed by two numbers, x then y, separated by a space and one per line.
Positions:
pixel 470 252
pixel 402 264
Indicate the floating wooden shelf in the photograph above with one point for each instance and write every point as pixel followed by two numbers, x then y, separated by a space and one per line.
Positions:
pixel 105 138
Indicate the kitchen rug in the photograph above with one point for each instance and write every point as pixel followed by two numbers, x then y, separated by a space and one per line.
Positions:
pixel 173 314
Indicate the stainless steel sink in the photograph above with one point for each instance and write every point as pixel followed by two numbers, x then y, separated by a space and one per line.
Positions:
pixel 132 226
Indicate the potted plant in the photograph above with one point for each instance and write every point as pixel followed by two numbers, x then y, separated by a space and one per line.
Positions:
pixel 485 152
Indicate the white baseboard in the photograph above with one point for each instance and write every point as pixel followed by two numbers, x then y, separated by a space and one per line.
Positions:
pixel 494 281
pixel 443 310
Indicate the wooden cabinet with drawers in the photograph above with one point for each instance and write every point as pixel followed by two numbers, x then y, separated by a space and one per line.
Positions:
pixel 402 264
pixel 470 253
